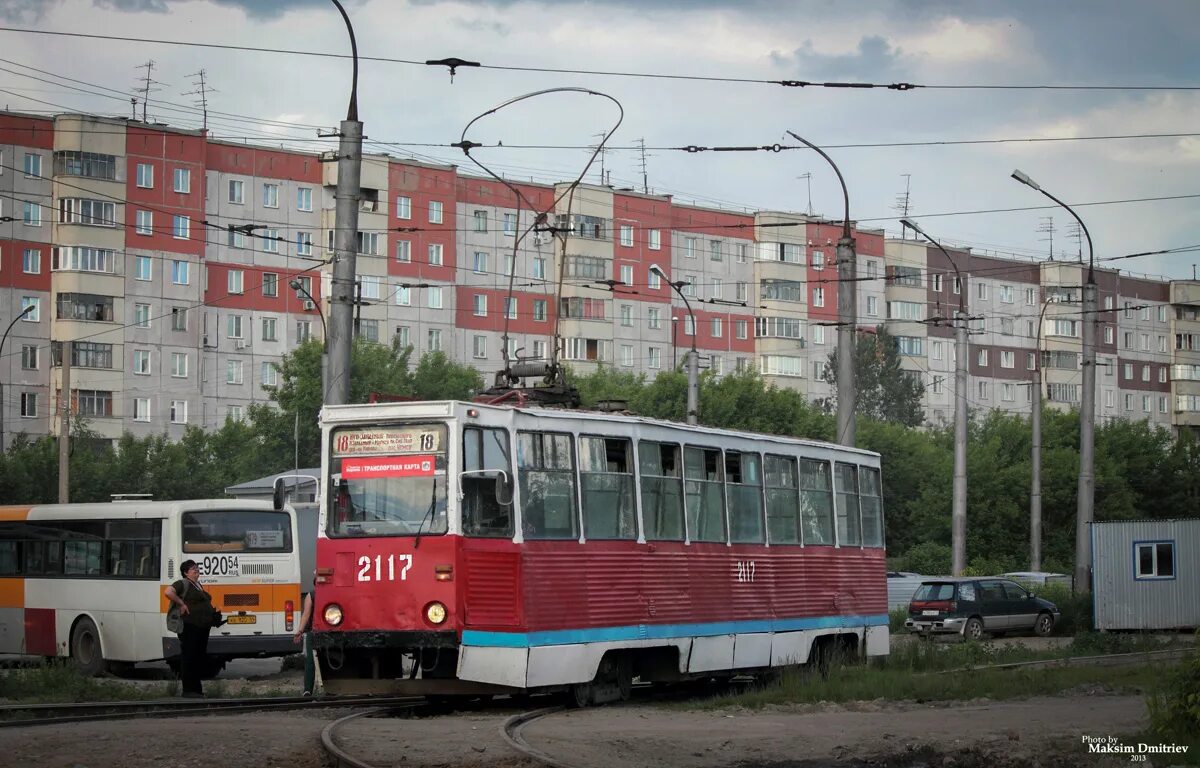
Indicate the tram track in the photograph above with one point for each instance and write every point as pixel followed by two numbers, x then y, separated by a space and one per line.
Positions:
pixel 30 715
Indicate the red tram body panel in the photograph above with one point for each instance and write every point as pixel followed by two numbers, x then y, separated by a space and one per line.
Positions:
pixel 447 609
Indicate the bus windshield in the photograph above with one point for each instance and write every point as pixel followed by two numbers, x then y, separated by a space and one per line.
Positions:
pixel 388 480
pixel 237 530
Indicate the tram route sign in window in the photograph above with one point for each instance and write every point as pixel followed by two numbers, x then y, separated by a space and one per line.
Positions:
pixel 386 440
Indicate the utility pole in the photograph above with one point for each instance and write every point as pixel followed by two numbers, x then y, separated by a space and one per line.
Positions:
pixel 341 297
pixel 847 296
pixel 1035 458
pixel 64 427
pixel 1085 493
pixel 202 90
pixel 958 509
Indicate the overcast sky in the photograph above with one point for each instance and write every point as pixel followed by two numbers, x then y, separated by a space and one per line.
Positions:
pixel 971 42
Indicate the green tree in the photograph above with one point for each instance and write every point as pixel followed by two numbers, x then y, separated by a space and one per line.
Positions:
pixel 439 378
pixel 884 390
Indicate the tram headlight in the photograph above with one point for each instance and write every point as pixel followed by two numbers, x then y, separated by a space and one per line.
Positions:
pixel 333 614
pixel 435 613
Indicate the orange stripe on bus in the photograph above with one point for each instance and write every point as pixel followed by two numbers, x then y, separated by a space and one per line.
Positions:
pixel 12 593
pixel 271 597
pixel 11 514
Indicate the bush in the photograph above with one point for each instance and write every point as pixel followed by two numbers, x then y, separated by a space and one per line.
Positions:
pixel 1076 609
pixel 928 558
pixel 896 618
pixel 1175 710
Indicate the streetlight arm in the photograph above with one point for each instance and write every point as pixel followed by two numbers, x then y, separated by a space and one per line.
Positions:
pixel 1027 181
pixel 842 181
pixel 962 287
pixel 352 109
pixel 299 286
pixel 686 303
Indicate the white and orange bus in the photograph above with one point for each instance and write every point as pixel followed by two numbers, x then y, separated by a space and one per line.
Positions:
pixel 86 581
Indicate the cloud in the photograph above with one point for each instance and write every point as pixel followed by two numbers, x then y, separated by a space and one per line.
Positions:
pixel 254 9
pixel 875 58
pixel 24 11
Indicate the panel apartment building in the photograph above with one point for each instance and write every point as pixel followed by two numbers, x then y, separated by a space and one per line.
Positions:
pixel 182 269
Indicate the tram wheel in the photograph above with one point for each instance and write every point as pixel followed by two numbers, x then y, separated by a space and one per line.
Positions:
pixel 86 650
pixel 580 695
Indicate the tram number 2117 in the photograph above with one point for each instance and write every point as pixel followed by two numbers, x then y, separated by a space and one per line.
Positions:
pixel 379 568
pixel 745 570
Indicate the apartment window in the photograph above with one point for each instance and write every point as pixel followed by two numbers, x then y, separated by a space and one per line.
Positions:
pixel 29 405
pixel 145 175
pixel 935 283
pixel 479 347
pixel 539 309
pixel 935 350
pixel 1006 326
pixel 510 223
pixel 403 296
pixel 435 212
pixel 1162 313
pixel 144 223
pixel 435 254
pixel 179 412
pixel 717 329
pixel 270 284
pixel 872 306
pixel 304 200
pixel 653 358
pixel 1110 335
pixel 233 326
pixel 983 357
pixel 740 292
pixel 906 310
pixel 627 274
pixel 714 250
pixel 1162 404
pixel 1145 403
pixel 233 372
pixel 627 355
pixel 627 314
pixel 911 346
pixel 743 252
pixel 654 280
pixel 539 268
pixel 96 213
pixel 714 288
pixel 141 362
pixel 1129 402
pixel 1145 373
pixel 268 329
pixel 740 328
pixel 183 181
pixel 817 260
pixel 1006 294
pixel 304 245
pixel 303 331
pixel 539 350
pixel 653 318
pixel 1162 374
pixel 957 284
pixel 433 340
pixel 237 191
pixel 982 291
pixel 1008 359
pixel 1128 371
pixel 689 247
pixel 178 318
pixel 270 240
pixel 480 219
pixel 31 261
pixel 818 334
pixel 433 297
pixel 33 165
pixel 626 233
pixel 235 279
pixel 818 297
pixel 654 239
pixel 270 196
pixel 403 207
pixel 781 365
pixel 235 238
pixel 403 335
pixel 180 272
pixel 141 409
pixel 181 227
pixel 141 315
pixel 984 390
pixel 269 374
pixel 31 214
pixel 1110 398
pixel 29 357
pixel 480 302
pixel 403 250
pixel 689 285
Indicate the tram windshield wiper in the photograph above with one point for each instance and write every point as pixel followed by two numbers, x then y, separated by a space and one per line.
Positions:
pixel 427 516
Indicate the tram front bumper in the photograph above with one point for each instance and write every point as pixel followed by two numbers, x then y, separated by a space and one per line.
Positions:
pixel 385 639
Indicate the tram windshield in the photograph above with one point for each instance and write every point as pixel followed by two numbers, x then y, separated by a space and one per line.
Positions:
pixel 388 480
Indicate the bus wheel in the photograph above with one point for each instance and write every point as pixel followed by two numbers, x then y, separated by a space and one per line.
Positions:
pixel 85 648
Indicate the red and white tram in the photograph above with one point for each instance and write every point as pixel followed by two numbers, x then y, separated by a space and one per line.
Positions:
pixel 468 548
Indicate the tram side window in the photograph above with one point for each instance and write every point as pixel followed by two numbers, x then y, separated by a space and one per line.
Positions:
pixel 849 525
pixel 816 502
pixel 547 475
pixel 871 502
pixel 606 479
pixel 783 505
pixel 485 456
pixel 705 483
pixel 743 484
pixel 662 491
pixel 9 564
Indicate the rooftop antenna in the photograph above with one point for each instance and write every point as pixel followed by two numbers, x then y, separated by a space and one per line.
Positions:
pixel 1047 226
pixel 202 90
pixel 133 107
pixel 808 179
pixel 602 152
pixel 145 86
pixel 1076 234
pixel 645 182
pixel 904 203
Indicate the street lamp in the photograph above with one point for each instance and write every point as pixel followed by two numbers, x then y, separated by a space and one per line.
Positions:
pixel 674 343
pixel 958 513
pixel 1035 452
pixel 1087 405
pixel 3 339
pixel 847 297
pixel 693 393
pixel 298 285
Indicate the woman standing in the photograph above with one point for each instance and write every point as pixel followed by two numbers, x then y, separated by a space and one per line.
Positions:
pixel 196 609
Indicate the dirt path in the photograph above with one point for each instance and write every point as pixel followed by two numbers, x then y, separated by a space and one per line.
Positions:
pixel 986 734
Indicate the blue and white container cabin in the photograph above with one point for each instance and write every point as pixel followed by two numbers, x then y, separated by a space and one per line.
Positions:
pixel 1146 574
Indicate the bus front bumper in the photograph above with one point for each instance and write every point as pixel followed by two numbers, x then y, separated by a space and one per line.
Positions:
pixel 239 646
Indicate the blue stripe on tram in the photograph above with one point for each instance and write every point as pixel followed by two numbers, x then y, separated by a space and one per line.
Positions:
pixel 663 631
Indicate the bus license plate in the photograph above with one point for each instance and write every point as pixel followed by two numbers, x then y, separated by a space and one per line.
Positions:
pixel 243 619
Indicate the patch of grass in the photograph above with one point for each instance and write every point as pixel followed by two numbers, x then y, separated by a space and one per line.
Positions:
pixel 896 618
pixel 1100 643
pixel 868 683
pixel 1175 711
pixel 1076 609
pixel 58 681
